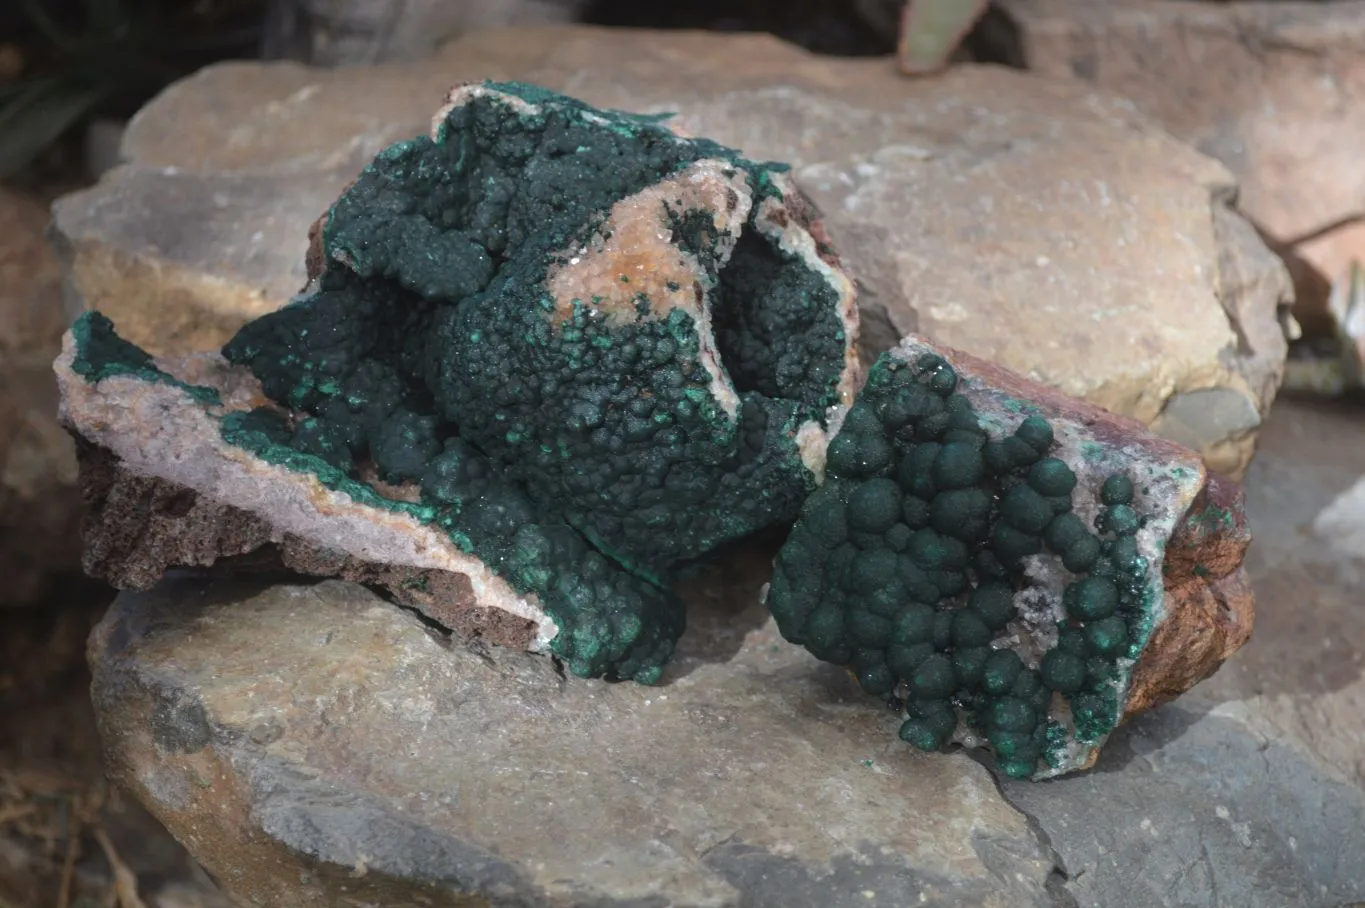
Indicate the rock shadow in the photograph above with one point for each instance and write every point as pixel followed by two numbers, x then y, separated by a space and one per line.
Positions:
pixel 1147 733
pixel 1310 618
pixel 724 595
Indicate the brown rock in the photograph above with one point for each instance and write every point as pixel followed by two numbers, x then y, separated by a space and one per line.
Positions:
pixel 1031 222
pixel 1266 87
pixel 39 502
pixel 1210 605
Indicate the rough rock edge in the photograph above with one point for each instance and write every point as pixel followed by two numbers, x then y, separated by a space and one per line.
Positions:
pixel 1207 608
pixel 165 490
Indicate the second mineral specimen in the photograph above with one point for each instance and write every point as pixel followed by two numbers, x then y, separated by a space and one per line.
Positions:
pixel 1011 567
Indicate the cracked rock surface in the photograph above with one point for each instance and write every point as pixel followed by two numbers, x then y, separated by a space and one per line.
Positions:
pixel 1038 224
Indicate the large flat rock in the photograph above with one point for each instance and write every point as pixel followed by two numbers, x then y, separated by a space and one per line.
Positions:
pixel 316 746
pixel 1036 223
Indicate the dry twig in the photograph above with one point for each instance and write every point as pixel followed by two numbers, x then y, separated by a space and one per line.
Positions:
pixel 125 880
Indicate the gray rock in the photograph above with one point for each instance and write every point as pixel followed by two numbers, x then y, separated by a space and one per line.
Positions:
pixel 1202 810
pixel 1192 417
pixel 317 746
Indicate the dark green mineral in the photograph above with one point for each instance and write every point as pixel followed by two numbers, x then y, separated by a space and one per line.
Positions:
pixel 595 350
pixel 909 565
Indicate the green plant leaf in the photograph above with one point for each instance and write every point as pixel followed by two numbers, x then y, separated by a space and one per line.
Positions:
pixel 36 117
pixel 45 24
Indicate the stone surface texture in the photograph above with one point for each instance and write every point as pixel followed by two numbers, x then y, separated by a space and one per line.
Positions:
pixel 39 499
pixel 1265 87
pixel 754 778
pixel 306 743
pixel 1032 222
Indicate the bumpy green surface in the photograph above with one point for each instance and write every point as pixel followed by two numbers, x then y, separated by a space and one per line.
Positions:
pixel 906 565
pixel 584 461
pixel 617 625
pixel 100 353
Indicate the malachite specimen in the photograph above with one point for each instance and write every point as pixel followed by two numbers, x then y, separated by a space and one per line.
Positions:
pixel 585 348
pixel 953 560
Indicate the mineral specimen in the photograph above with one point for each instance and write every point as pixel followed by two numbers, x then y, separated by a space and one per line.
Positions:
pixel 546 355
pixel 549 356
pixel 1011 567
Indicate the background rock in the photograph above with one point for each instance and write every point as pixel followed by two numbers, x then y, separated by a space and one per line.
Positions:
pixel 345 32
pixel 39 500
pixel 1268 88
pixel 1030 222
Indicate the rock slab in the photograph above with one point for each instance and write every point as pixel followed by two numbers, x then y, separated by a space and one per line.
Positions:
pixel 1265 87
pixel 316 746
pixel 1035 223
